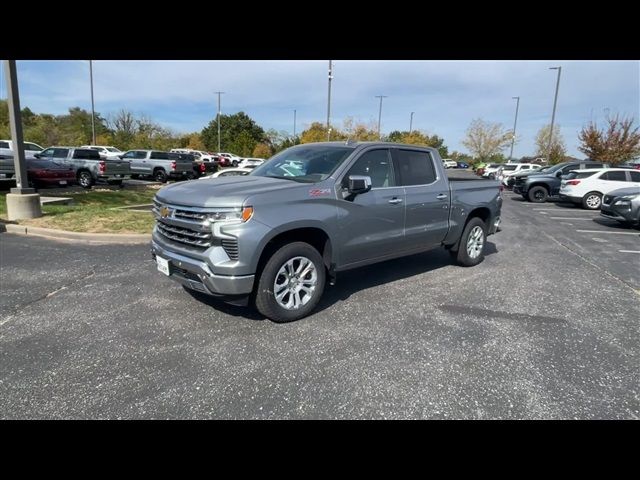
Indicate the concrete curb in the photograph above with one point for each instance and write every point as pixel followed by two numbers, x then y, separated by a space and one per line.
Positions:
pixel 77 237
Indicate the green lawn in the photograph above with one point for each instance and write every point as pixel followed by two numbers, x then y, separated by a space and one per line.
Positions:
pixel 93 212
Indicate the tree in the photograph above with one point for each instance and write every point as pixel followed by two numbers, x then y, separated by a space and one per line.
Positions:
pixel 358 131
pixel 195 142
pixel 262 150
pixel 238 131
pixel 416 137
pixel 558 150
pixel 618 143
pixel 484 139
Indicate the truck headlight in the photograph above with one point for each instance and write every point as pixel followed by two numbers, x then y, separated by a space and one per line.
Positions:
pixel 231 215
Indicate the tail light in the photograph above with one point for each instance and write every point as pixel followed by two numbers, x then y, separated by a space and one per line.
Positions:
pixel 573 182
pixel 203 167
pixel 102 167
pixel 173 165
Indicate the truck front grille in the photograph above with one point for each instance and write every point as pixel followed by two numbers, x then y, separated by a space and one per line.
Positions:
pixel 183 225
pixel 185 235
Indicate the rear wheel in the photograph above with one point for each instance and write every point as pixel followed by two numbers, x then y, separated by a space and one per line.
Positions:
pixel 291 283
pixel 85 180
pixel 234 163
pixel 538 194
pixel 159 175
pixel 592 201
pixel 474 238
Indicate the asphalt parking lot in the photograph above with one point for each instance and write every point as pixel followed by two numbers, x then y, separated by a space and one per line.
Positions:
pixel 546 327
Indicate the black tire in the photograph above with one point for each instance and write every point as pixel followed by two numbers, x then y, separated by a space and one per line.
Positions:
pixel 159 175
pixel 264 296
pixel 234 163
pixel 538 194
pixel 85 180
pixel 462 255
pixel 592 201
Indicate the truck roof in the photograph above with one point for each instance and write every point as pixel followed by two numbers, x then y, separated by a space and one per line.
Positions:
pixel 357 143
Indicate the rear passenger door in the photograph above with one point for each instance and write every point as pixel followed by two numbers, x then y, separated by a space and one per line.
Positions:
pixel 610 181
pixel 426 196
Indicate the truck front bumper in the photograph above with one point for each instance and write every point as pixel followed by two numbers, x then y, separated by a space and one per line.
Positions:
pixel 196 275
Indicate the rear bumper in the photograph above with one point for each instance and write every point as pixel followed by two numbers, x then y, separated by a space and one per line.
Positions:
pixel 196 275
pixel 568 198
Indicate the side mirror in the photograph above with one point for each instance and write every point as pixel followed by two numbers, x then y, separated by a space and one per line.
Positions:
pixel 359 184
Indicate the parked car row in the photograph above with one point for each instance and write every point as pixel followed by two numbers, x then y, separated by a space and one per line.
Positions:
pixel 448 163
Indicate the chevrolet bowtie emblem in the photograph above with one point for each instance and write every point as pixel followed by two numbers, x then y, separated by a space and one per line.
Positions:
pixel 165 212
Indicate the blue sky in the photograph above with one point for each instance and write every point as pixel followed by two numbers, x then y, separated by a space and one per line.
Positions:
pixel 445 95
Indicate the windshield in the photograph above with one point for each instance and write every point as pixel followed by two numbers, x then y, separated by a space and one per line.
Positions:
pixel 308 164
pixel 113 149
pixel 555 168
pixel 509 167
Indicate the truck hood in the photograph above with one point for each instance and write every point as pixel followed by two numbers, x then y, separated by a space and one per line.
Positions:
pixel 222 191
pixel 527 173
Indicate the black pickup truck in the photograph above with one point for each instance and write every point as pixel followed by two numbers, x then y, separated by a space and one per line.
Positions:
pixel 537 187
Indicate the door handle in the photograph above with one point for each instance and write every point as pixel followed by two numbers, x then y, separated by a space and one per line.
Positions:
pixel 441 196
pixel 395 201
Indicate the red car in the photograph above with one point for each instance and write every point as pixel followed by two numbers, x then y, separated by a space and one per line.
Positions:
pixel 47 173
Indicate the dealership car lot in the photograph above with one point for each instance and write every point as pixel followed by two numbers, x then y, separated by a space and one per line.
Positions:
pixel 546 327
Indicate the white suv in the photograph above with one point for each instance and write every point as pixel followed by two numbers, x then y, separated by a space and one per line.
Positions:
pixel 509 169
pixel 106 152
pixel 199 154
pixel 587 186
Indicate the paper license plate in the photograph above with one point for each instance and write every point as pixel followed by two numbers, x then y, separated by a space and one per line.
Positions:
pixel 163 265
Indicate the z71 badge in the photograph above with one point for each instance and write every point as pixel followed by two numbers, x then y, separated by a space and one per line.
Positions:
pixel 318 192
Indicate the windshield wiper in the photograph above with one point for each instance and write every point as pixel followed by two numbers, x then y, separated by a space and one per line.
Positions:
pixel 295 179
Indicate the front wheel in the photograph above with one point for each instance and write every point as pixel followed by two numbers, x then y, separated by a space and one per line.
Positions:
pixel 592 201
pixel 471 248
pixel 291 283
pixel 538 195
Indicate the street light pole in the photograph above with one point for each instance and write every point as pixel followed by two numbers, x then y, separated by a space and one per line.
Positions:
pixel 515 122
pixel 411 123
pixel 553 115
pixel 22 201
pixel 218 121
pixel 329 101
pixel 93 110
pixel 380 113
pixel 294 124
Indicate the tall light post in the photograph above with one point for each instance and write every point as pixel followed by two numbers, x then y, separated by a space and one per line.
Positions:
pixel 515 122
pixel 93 110
pixel 380 113
pixel 411 123
pixel 329 101
pixel 553 115
pixel 294 123
pixel 218 121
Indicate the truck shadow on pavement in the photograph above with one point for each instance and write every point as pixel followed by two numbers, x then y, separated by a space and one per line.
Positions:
pixel 353 281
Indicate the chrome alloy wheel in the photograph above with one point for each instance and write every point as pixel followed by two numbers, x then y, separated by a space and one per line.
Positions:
pixel 295 283
pixel 475 242
pixel 593 201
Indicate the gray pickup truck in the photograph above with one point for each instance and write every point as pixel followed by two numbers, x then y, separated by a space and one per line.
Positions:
pixel 87 165
pixel 277 235
pixel 160 165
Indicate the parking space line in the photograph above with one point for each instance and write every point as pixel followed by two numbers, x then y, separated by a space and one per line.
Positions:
pixel 569 218
pixel 611 233
pixel 629 251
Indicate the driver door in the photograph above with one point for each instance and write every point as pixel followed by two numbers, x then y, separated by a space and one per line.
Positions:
pixel 371 224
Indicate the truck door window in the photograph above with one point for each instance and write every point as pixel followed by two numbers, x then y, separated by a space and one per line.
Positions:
pixel 140 155
pixel 4 144
pixel 375 164
pixel 414 167
pixel 60 152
